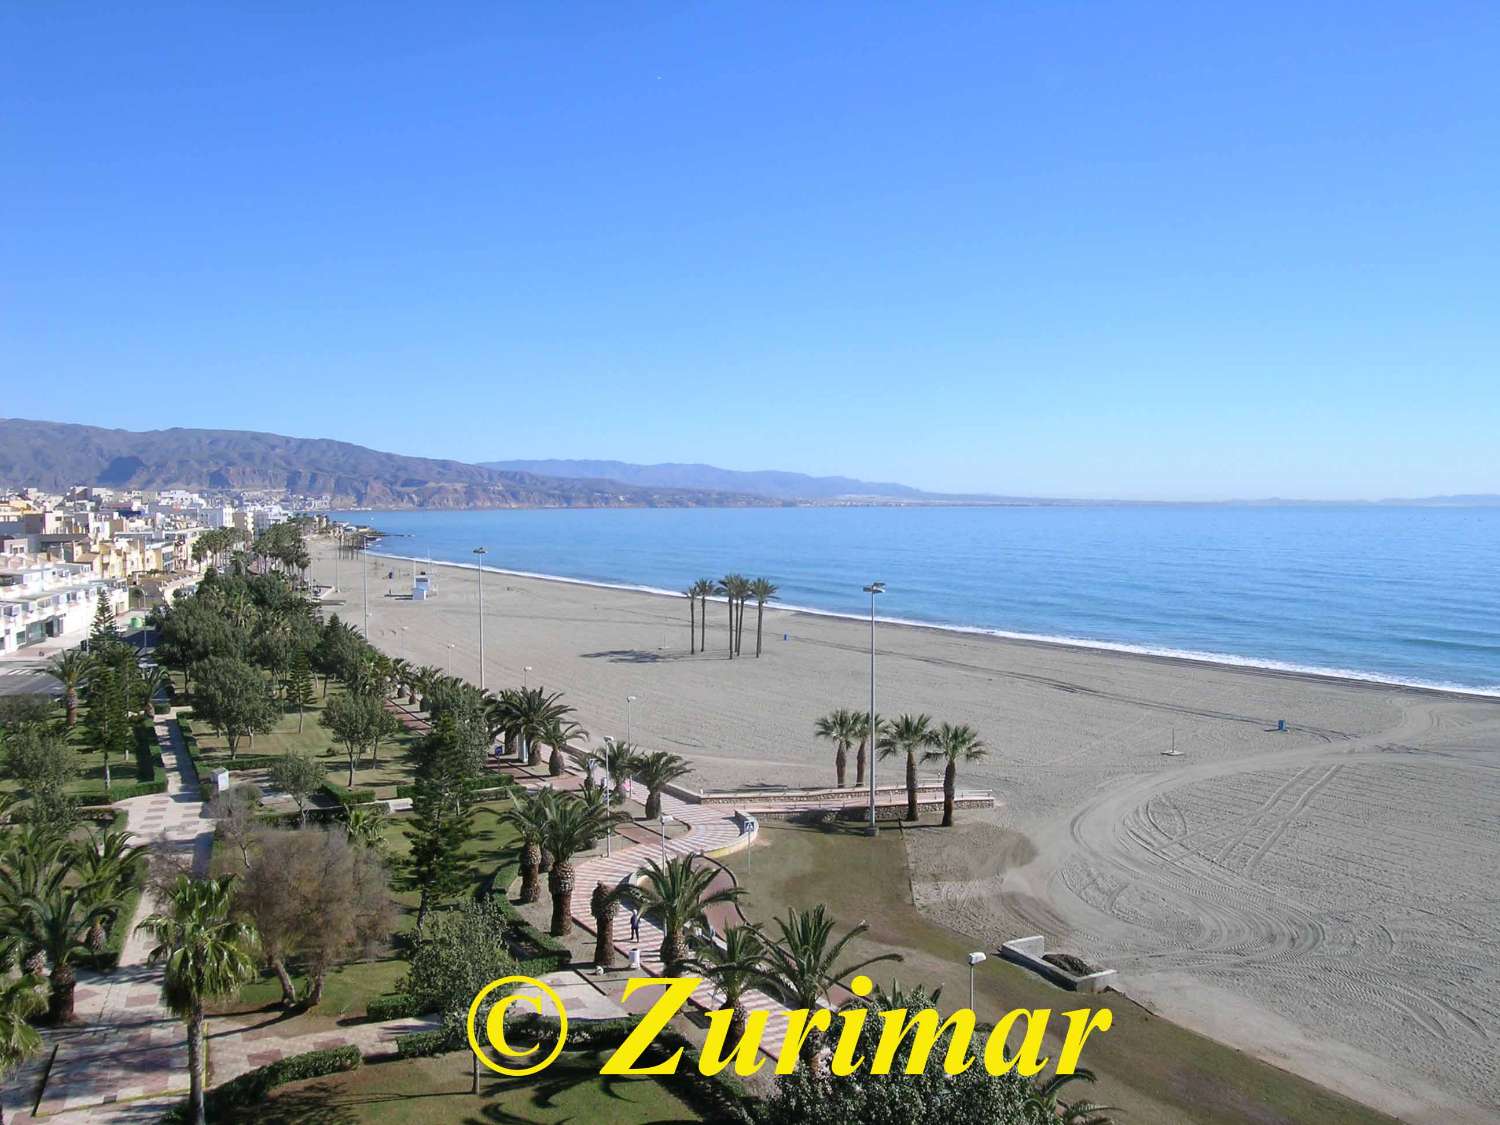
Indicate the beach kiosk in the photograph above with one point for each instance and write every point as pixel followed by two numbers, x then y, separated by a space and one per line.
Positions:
pixel 421 587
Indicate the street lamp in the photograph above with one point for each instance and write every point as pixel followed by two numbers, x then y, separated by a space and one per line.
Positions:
pixel 404 640
pixel 479 553
pixel 629 708
pixel 524 671
pixel 450 658
pixel 872 589
pixel 664 818
pixel 364 569
pixel 975 958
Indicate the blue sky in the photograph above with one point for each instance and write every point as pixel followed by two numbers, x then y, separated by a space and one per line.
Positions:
pixel 1084 249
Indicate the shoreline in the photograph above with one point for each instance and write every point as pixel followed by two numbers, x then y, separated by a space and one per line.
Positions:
pixel 1342 676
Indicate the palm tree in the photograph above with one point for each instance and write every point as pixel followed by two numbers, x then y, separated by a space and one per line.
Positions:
pixel 733 969
pixel 20 999
pixel 862 726
pixel 106 861
pixel 762 590
pixel 841 727
pixel 656 771
pixel 726 589
pixel 691 594
pixel 151 682
pixel 71 669
pixel 1044 1099
pixel 616 759
pixel 705 587
pixel 679 893
pixel 362 825
pixel 741 595
pixel 528 815
pixel 401 678
pixel 953 744
pixel 56 922
pixel 208 955
pixel 560 735
pixel 604 905
pixel 804 964
pixel 572 827
pixel 907 735
pixel 526 714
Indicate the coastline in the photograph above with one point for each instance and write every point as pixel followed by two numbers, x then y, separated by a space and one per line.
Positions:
pixel 1236 886
pixel 1120 648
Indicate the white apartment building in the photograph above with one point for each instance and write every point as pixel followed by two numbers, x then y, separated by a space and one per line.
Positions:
pixel 41 599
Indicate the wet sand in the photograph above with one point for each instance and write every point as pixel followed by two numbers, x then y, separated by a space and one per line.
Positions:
pixel 1323 896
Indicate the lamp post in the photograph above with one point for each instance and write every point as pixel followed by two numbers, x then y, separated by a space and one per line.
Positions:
pixel 975 958
pixel 629 708
pixel 405 641
pixel 479 553
pixel 525 671
pixel 664 818
pixel 364 570
pixel 450 658
pixel 872 589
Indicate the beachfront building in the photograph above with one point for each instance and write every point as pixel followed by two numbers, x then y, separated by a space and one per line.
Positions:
pixel 42 599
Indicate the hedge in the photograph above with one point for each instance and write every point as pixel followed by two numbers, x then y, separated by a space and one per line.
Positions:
pixel 343 795
pixel 488 791
pixel 396 1007
pixel 536 948
pixel 251 1088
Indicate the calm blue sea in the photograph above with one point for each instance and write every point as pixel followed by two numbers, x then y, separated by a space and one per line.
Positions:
pixel 1405 594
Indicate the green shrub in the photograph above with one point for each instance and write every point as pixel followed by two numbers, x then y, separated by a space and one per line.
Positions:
pixel 426 1044
pixel 395 1007
pixel 531 945
pixel 252 1087
pixel 346 796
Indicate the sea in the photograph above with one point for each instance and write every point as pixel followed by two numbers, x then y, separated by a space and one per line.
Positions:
pixel 1399 594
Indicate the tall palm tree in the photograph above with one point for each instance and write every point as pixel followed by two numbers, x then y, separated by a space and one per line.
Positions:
pixel 401 679
pixel 524 714
pixel 528 815
pixel 908 735
pixel 679 894
pixel 152 681
pixel 733 969
pixel 691 594
pixel 953 744
pixel 616 759
pixel 573 826
pixel 841 727
pixel 804 964
pixel 71 669
pixel 706 589
pixel 862 725
pixel 208 955
pixel 20 999
pixel 762 590
pixel 741 596
pixel 726 588
pixel 656 771
pixel 560 735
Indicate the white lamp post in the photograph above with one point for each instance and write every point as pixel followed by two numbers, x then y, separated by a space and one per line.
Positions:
pixel 664 818
pixel 629 708
pixel 479 553
pixel 364 568
pixel 450 658
pixel 872 589
pixel 975 958
pixel 525 671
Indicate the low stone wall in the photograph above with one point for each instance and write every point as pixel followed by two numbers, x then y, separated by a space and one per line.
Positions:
pixel 1029 952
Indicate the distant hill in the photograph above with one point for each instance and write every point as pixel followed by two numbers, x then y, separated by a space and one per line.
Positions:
pixel 57 455
pixel 768 483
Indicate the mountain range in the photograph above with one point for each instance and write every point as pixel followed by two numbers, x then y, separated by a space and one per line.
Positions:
pixel 769 483
pixel 57 455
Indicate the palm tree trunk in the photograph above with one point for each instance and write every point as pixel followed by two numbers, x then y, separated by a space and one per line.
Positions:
pixel 673 947
pixel 703 624
pixel 531 862
pixel 760 613
pixel 72 705
pixel 692 625
pixel 859 764
pixel 840 763
pixel 950 777
pixel 730 600
pixel 195 1067
pixel 555 764
pixel 739 1018
pixel 60 1000
pixel 653 804
pixel 911 785
pixel 560 883
pixel 604 907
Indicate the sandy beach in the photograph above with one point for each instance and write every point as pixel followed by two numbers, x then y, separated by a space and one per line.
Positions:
pixel 1324 896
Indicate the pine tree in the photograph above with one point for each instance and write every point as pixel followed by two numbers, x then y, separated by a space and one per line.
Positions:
pixel 299 685
pixel 104 633
pixel 442 818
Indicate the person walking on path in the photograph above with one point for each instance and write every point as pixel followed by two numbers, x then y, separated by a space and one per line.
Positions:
pixel 635 923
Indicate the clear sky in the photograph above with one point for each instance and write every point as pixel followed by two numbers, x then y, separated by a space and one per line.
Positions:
pixel 1081 249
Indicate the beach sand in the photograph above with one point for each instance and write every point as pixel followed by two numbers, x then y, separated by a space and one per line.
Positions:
pixel 1324 897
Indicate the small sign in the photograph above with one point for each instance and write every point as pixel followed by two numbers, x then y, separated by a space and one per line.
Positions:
pixel 221 780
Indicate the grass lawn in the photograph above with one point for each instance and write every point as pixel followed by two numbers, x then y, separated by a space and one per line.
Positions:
pixel 424 1090
pixel 396 765
pixel 492 851
pixel 346 991
pixel 1147 1066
